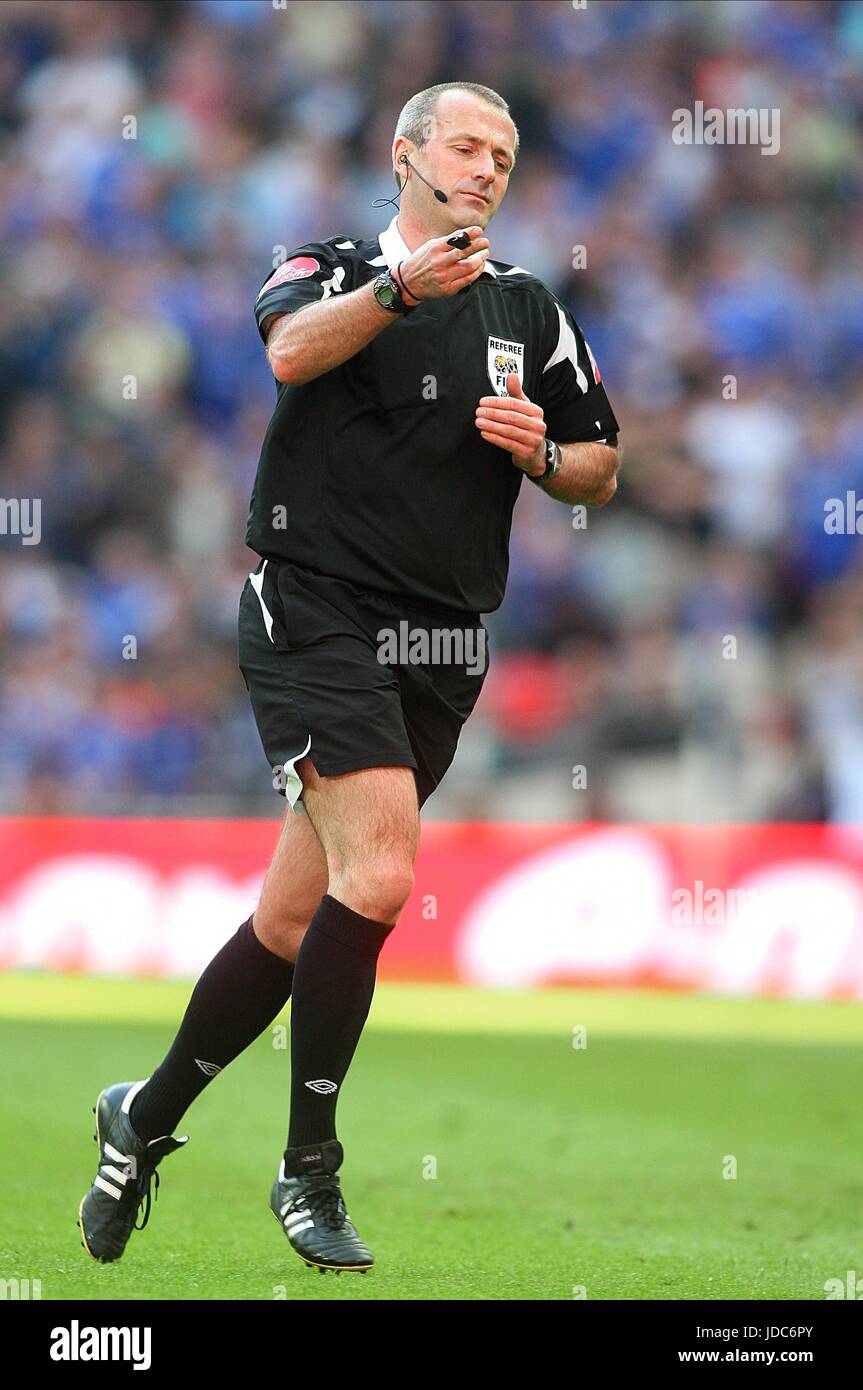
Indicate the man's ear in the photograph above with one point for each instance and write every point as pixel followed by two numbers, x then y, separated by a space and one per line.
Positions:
pixel 400 169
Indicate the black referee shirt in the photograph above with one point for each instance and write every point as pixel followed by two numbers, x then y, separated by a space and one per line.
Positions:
pixel 375 471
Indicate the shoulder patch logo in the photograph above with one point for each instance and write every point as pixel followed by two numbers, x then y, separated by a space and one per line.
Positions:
pixel 504 356
pixel 297 268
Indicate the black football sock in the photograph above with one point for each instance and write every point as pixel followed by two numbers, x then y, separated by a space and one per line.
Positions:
pixel 242 990
pixel 334 981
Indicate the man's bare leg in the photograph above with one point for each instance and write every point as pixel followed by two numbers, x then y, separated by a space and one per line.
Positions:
pixel 368 825
pixel 295 883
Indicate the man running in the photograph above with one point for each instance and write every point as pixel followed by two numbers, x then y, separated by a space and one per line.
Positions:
pixel 419 381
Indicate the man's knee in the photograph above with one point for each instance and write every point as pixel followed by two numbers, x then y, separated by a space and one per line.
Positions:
pixel 282 934
pixel 377 888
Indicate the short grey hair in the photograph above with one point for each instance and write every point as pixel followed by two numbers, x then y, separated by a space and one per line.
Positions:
pixel 414 121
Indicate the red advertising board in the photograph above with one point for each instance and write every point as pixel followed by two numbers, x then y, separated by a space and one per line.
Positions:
pixel 739 909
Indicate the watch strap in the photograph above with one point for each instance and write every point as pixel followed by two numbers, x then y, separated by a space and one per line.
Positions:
pixel 553 462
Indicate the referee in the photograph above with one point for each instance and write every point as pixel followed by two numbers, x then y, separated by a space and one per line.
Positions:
pixel 418 382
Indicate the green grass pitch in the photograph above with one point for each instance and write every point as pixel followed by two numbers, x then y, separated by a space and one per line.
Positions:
pixel 559 1168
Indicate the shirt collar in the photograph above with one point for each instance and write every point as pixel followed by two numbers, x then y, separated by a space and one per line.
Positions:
pixel 393 246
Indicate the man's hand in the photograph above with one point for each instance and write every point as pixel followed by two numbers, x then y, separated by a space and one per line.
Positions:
pixel 436 270
pixel 312 340
pixel 514 423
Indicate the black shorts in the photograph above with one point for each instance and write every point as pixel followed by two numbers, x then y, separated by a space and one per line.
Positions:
pixel 354 677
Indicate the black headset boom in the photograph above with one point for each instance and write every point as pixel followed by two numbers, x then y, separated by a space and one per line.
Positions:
pixel 438 192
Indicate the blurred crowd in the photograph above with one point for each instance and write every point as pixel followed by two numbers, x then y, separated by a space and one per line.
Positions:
pixel 695 650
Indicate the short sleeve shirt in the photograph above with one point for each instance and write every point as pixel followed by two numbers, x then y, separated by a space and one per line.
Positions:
pixel 375 472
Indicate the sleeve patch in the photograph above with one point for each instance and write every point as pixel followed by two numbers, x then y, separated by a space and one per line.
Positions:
pixel 297 268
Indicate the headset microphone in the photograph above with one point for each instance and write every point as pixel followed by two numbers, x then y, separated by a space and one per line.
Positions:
pixel 438 192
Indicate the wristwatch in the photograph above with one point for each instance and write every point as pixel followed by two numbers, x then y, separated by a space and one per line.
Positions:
pixel 389 296
pixel 553 462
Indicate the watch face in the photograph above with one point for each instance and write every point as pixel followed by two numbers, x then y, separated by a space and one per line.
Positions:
pixel 385 294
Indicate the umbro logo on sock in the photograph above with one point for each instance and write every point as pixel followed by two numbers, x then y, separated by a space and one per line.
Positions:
pixel 208 1068
pixel 323 1087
